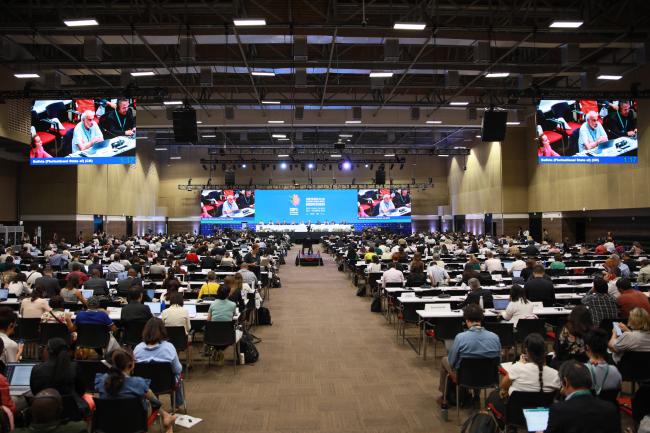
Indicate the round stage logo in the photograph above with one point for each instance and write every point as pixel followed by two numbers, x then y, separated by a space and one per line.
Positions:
pixel 295 200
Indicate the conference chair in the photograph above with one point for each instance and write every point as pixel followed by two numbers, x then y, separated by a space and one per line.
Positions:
pixel 634 367
pixel 529 326
pixel 133 419
pixel 406 315
pixel 91 336
pixel 53 330
pixel 518 401
pixel 88 370
pixel 445 328
pixel 505 332
pixel 132 332
pixel 477 374
pixel 28 332
pixel 222 335
pixel 163 380
pixel 176 335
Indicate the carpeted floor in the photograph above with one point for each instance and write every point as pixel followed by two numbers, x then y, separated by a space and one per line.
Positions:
pixel 326 365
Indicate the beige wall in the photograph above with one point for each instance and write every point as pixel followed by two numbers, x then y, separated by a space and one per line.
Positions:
pixel 182 204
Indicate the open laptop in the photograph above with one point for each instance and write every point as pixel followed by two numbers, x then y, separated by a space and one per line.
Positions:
pixel 536 419
pixel 516 274
pixel 151 293
pixel 191 310
pixel 154 307
pixel 18 377
pixel 87 293
pixel 501 304
pixel 507 265
pixel 4 294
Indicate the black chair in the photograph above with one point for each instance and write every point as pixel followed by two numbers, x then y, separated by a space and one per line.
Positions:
pixel 71 410
pixel 176 335
pixel 446 328
pixel 222 334
pixel 86 372
pixel 518 401
pixel 634 367
pixel 478 374
pixel 106 421
pixel 505 332
pixel 529 326
pixel 132 335
pixel 28 332
pixel 53 330
pixel 163 380
pixel 91 336
pixel 610 395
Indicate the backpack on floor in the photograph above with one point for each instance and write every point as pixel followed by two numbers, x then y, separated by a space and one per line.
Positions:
pixel 375 305
pixel 340 267
pixel 361 291
pixel 275 282
pixel 264 316
pixel 480 422
pixel 246 346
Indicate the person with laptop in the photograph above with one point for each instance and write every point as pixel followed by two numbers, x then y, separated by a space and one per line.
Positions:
pixel 478 295
pixel 47 283
pixel 581 411
pixel 539 288
pixel 210 288
pixel 476 342
pixel 135 310
pixel 176 314
pixel 519 307
pixel 491 263
pixel 97 284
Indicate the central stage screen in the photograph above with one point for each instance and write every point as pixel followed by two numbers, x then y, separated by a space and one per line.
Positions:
pixel 306 205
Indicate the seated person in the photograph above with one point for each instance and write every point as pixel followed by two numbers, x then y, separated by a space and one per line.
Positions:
pixel 478 295
pixel 416 277
pixel 155 348
pixel 12 351
pixel 47 415
pixel 135 310
pixel 476 342
pixel 570 341
pixel 57 313
pixel 591 133
pixel 210 288
pixel 96 316
pixel 581 411
pixel 528 374
pixel 392 275
pixel 59 372
pixel 34 306
pixel 131 280
pixel 5 396
pixel 635 336
pixel 175 314
pixel 221 310
pixel 71 293
pixel 604 377
pixel 118 383
pixel 519 307
pixel 97 284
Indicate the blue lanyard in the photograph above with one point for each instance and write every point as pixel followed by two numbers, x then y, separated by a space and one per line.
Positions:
pixel 87 132
pixel 624 125
pixel 122 125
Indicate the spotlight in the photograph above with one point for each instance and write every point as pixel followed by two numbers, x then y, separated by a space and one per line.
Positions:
pixel 283 165
pixel 366 165
pixel 310 166
pixel 347 165
pixel 243 166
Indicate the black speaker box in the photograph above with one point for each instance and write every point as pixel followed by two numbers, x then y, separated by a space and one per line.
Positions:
pixel 229 177
pixel 380 177
pixel 185 125
pixel 494 126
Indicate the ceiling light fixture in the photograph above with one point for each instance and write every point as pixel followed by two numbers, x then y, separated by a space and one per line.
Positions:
pixel 351 122
pixel 271 102
pixel 275 121
pixel 174 157
pixel 434 122
pixel 409 26
pixel 209 136
pixel 27 75
pixel 335 155
pixel 283 156
pixel 610 77
pixel 459 103
pixel 381 74
pixel 249 22
pixel 143 73
pixel 389 155
pixel 173 102
pixel 262 74
pixel 497 75
pixel 279 135
pixel 81 22
pixel 160 148
pixel 566 24
pixel 345 135
pixel 513 123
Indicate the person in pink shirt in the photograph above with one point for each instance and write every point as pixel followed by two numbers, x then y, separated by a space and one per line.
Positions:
pixel 545 148
pixel 37 150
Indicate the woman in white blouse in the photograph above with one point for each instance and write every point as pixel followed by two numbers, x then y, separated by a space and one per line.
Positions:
pixel 519 307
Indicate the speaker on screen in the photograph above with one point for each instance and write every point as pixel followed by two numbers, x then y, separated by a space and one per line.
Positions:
pixel 229 177
pixel 494 125
pixel 185 125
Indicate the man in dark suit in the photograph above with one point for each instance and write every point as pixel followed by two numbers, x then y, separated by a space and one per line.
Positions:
pixel 539 288
pixel 135 310
pixel 581 412
pixel 124 285
pixel 97 284
pixel 48 283
pixel 476 294
pixel 208 262
pixel 531 249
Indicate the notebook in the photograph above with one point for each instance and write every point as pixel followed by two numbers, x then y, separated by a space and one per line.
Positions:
pixel 18 376
pixel 536 419
pixel 501 304
pixel 191 310
pixel 154 307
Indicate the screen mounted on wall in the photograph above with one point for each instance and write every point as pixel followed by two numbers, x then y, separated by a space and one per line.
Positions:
pixel 226 205
pixel 587 132
pixel 83 131
pixel 384 203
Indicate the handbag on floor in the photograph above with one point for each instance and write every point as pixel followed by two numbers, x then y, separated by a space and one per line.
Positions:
pixel 264 316
pixel 375 305
pixel 480 422
pixel 247 347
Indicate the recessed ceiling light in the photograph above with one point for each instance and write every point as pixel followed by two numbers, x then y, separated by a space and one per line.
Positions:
pixel 142 73
pixel 279 135
pixel 81 22
pixel 283 156
pixel 160 148
pixel 459 103
pixel 174 157
pixel 566 24
pixel 345 135
pixel 275 121
pixel 243 22
pixel 409 26
pixel 27 75
pixel 335 155
pixel 284 139
pixel 263 74
pixel 513 123
pixel 381 74
pixel 389 155
pixel 497 75
pixel 270 102
pixel 198 122
pixel 173 102
pixel 352 121
pixel 610 77
pixel 209 136
pixel 434 122
pixel 444 156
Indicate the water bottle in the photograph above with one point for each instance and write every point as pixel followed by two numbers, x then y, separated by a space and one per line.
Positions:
pixel 162 303
pixel 444 411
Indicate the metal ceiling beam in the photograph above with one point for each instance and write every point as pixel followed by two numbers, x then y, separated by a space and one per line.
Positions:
pixel 327 74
